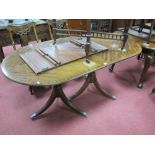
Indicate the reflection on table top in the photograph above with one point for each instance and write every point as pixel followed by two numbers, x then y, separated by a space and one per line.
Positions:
pixel 15 69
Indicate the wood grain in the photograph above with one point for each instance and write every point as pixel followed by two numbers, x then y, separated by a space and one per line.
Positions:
pixel 15 68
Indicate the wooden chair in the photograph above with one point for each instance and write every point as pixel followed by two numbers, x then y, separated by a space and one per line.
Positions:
pixel 60 24
pixel 141 23
pixel 1 54
pixel 123 38
pixel 148 53
pixel 22 31
pixel 138 23
pixel 149 56
pixel 128 24
pixel 89 34
pixel 81 24
pixel 148 49
pixel 56 33
pixel 50 28
pixel 151 27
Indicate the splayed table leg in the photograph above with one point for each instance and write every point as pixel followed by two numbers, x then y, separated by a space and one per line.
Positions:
pixel 57 92
pixel 91 78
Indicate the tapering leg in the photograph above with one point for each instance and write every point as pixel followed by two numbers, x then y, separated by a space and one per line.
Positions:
pixel 140 56
pixel 91 78
pixel 111 67
pixel 141 25
pixel 69 104
pixel 1 54
pixel 46 106
pixel 102 91
pixel 148 61
pixel 57 92
pixel 153 90
pixel 81 90
pixel 31 90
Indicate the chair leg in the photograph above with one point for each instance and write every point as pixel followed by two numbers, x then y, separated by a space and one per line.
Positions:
pixel 148 61
pixel 112 68
pixel 141 26
pixel 1 54
pixel 31 90
pixel 153 90
pixel 140 56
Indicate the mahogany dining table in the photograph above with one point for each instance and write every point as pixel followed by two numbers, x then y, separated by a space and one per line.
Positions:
pixel 15 69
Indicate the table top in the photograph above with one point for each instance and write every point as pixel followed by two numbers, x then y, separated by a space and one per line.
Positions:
pixel 15 69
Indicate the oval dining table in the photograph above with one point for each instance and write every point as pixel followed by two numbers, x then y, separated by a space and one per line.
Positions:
pixel 15 69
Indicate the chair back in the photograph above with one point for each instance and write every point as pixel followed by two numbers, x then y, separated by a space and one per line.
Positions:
pixel 112 36
pixel 60 24
pixel 93 34
pixel 57 33
pixel 151 29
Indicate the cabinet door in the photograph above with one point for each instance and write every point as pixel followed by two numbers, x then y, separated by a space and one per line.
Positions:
pixel 79 24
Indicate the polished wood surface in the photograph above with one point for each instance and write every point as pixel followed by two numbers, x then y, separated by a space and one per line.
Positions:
pixel 79 24
pixel 148 52
pixel 15 69
pixel 51 56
